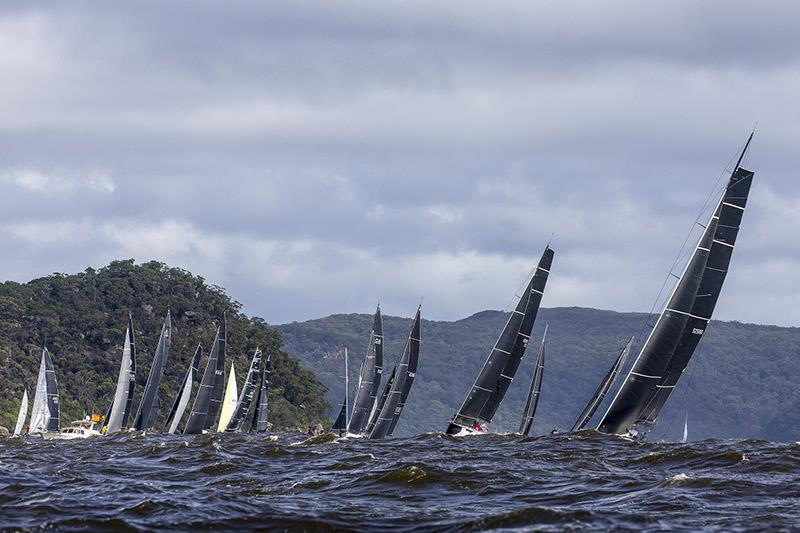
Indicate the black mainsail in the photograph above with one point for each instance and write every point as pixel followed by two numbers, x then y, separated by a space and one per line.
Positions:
pixel 54 422
pixel 498 371
pixel 259 424
pixel 411 371
pixel 198 418
pixel 218 390
pixel 246 396
pixel 184 392
pixel 369 379
pixel 602 389
pixel 148 408
pixel 404 373
pixel 680 327
pixel 533 394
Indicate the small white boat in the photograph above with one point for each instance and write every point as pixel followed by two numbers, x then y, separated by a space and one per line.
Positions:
pixel 80 429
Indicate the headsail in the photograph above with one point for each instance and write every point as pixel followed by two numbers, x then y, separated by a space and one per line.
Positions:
pixel 148 408
pixel 248 392
pixel 411 371
pixel 229 401
pixel 23 414
pixel 498 371
pixel 685 429
pixel 200 414
pixel 185 391
pixel 117 417
pixel 369 379
pixel 340 424
pixel 404 374
pixel 680 327
pixel 533 394
pixel 381 402
pixel 602 389
pixel 40 413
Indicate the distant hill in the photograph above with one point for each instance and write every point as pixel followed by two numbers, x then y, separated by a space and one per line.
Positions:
pixel 83 318
pixel 742 381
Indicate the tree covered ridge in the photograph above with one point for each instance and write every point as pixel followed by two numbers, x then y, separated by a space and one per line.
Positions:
pixel 83 317
pixel 741 382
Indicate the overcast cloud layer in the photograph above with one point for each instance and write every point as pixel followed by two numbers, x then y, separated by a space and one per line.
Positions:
pixel 314 158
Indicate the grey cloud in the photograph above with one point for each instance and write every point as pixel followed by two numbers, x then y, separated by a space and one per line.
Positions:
pixel 315 158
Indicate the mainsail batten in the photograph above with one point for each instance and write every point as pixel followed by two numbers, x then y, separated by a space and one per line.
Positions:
pixel 497 373
pixel 683 322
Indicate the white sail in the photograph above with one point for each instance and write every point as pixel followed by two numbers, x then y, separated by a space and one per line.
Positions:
pixel 685 429
pixel 121 403
pixel 229 401
pixel 182 403
pixel 40 414
pixel 23 413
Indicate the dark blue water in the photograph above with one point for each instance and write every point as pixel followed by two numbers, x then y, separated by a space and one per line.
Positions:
pixel 425 483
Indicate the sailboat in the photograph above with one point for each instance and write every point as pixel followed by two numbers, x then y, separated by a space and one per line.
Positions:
pixel 684 320
pixel 23 414
pixel 148 408
pixel 489 388
pixel 260 422
pixel 685 429
pixel 369 379
pixel 184 393
pixel 602 389
pixel 533 394
pixel 229 401
pixel 117 417
pixel 45 414
pixel 209 396
pixel 245 399
pixel 342 421
pixel 397 394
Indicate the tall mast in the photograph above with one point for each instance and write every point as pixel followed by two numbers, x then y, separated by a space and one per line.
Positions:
pixel 346 393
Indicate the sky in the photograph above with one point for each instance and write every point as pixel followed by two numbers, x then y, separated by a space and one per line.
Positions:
pixel 317 157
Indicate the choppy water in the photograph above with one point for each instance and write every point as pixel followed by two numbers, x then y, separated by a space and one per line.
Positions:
pixel 429 482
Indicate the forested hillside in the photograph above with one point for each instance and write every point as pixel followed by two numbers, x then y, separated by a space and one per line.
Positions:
pixel 742 381
pixel 82 318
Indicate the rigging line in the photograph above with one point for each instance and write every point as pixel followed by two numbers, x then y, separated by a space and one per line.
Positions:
pixel 684 252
